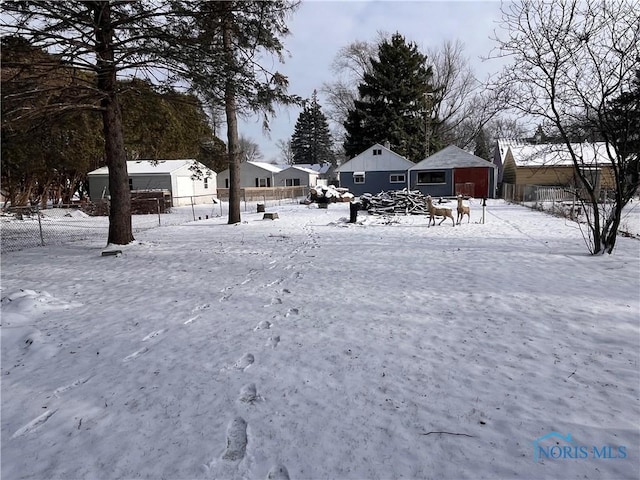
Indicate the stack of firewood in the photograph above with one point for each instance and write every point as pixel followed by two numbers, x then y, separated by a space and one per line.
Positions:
pixel 405 202
pixel 328 194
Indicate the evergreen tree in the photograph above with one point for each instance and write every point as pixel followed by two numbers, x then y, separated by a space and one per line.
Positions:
pixel 482 147
pixel 393 102
pixel 311 140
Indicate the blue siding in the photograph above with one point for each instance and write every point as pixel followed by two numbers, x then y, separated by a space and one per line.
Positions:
pixel 374 182
pixel 435 190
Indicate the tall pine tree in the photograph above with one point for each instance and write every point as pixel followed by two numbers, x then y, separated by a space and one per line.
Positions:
pixel 393 103
pixel 311 140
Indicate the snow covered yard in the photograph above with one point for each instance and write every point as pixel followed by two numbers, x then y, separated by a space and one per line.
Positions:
pixel 307 347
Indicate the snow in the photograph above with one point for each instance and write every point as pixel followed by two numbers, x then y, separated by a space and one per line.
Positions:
pixel 308 347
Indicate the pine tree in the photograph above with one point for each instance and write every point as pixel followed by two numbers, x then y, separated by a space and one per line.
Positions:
pixel 311 140
pixel 393 102
pixel 482 147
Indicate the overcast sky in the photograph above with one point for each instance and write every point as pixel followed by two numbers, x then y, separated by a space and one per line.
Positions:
pixel 319 28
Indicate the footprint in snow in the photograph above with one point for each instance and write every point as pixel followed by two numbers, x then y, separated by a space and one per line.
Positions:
pixel 244 362
pixel 34 424
pixel 292 311
pixel 135 354
pixel 154 334
pixel 278 472
pixel 248 393
pixel 198 308
pixel 236 439
pixel 275 301
pixel 273 341
pixel 74 384
pixel 263 325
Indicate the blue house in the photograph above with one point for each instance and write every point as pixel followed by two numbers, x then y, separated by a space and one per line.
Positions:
pixel 453 171
pixel 375 170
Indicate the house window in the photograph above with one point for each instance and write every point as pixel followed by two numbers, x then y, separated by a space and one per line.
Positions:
pixel 206 182
pixel 425 178
pixel 226 183
pixel 263 182
pixel 358 177
pixel 130 183
pixel 292 182
pixel 397 178
pixel 377 151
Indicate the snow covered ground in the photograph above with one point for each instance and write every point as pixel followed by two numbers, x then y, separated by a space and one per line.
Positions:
pixel 307 347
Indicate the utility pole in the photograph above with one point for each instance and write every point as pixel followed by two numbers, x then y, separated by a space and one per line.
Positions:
pixel 428 98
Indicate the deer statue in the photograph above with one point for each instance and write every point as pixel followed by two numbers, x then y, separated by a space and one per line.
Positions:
pixel 438 212
pixel 463 210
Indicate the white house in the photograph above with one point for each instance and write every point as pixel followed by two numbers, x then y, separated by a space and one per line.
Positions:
pixel 175 176
pixel 262 174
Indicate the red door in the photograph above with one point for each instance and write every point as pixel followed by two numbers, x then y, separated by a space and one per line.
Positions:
pixel 472 181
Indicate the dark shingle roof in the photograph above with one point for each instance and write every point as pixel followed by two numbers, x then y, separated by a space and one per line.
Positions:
pixel 451 157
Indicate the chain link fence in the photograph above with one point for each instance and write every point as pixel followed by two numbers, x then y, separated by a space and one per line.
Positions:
pixel 28 227
pixel 566 202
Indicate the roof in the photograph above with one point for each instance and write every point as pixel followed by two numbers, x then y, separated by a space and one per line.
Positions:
pixel 305 169
pixel 505 143
pixel 366 161
pixel 269 166
pixel 320 168
pixel 452 157
pixel 148 167
pixel 557 154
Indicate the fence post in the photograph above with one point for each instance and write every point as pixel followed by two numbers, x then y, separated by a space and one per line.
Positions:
pixel 193 210
pixel 40 226
pixel 158 209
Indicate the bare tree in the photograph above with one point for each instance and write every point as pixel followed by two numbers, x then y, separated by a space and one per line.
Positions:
pixel 249 150
pixel 349 66
pixel 286 153
pixel 571 61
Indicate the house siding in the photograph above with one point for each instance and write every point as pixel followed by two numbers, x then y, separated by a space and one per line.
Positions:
pixel 178 182
pixel 434 189
pixel 374 182
pixel 305 179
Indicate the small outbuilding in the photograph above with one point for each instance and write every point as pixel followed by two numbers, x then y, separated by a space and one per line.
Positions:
pixel 452 171
pixel 174 176
pixel 375 170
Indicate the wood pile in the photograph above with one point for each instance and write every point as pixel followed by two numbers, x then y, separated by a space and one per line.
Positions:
pixel 403 202
pixel 323 194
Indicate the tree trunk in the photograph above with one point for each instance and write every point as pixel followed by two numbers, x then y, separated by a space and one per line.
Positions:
pixel 120 229
pixel 232 127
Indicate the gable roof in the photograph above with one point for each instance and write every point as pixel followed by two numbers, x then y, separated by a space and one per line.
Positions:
pixel 149 167
pixel 320 168
pixel 452 157
pixel 269 166
pixel 368 162
pixel 557 154
pixel 303 168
